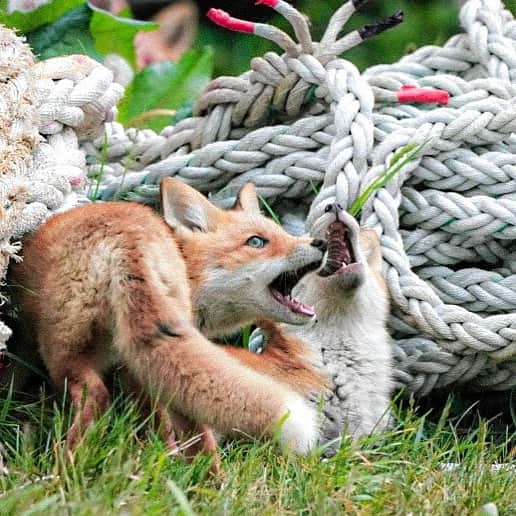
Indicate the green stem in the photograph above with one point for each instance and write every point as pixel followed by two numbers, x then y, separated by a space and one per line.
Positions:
pixel 398 161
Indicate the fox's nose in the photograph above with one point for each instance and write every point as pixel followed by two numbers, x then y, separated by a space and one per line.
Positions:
pixel 319 244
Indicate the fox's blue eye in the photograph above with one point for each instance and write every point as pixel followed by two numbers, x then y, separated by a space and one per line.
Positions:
pixel 256 242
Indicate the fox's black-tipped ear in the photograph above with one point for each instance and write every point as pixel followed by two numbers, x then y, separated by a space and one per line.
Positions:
pixel 247 199
pixel 185 207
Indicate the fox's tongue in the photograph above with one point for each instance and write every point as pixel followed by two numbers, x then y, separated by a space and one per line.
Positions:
pixel 293 304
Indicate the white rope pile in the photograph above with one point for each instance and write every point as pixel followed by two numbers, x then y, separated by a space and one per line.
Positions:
pixel 45 110
pixel 447 222
pixel 450 268
pixel 307 121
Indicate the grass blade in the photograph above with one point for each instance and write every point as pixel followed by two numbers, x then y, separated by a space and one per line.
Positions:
pixel 401 158
pixel 179 495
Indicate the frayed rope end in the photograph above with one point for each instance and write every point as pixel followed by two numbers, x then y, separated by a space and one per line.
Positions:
pixel 372 29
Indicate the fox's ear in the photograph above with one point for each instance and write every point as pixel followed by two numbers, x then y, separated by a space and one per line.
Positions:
pixel 370 244
pixel 247 199
pixel 185 207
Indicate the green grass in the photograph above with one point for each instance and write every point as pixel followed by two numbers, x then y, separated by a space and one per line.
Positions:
pixel 401 158
pixel 122 467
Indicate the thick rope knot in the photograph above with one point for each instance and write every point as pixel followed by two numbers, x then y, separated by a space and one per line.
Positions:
pixel 75 91
pixel 283 85
pixel 45 108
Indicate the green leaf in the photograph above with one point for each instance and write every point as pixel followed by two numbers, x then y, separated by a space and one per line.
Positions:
pixel 26 22
pixel 270 211
pixel 68 35
pixel 167 85
pixel 400 153
pixel 246 335
pixel 401 158
pixel 115 35
pixel 87 30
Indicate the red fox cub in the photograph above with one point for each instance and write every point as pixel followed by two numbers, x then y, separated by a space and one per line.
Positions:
pixel 117 283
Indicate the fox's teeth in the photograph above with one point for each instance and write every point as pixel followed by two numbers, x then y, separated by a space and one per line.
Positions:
pixel 340 252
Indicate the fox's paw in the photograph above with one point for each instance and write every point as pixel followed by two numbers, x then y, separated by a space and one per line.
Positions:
pixel 300 430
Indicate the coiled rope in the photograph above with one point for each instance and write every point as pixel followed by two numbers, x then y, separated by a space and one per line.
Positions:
pixel 308 119
pixel 308 129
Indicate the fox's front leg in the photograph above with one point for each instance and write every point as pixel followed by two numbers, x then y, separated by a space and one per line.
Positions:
pixel 180 435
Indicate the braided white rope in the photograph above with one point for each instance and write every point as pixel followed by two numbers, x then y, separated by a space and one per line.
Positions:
pixel 481 117
pixel 18 137
pixel 45 109
pixel 456 204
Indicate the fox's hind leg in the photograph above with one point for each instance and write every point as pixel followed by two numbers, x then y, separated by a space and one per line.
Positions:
pixel 90 399
pixel 88 393
pixel 78 369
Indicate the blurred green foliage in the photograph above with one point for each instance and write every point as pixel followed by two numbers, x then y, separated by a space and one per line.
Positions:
pixel 427 22
pixel 166 86
pixel 65 27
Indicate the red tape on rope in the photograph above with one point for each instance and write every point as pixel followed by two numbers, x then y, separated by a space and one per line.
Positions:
pixel 223 19
pixel 268 3
pixel 409 93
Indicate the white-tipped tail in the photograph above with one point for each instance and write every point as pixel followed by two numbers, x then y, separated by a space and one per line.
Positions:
pixel 300 430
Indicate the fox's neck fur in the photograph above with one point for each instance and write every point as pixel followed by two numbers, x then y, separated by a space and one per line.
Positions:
pixel 350 337
pixel 216 321
pixel 357 320
pixel 214 314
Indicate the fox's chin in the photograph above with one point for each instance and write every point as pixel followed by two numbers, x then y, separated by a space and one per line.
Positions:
pixel 350 277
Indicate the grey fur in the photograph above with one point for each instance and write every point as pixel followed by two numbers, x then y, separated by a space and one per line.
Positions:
pixel 349 335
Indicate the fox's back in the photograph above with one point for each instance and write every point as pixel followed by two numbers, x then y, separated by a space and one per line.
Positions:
pixel 78 261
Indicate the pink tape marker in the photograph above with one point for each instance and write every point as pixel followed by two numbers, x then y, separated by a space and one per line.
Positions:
pixel 410 93
pixel 223 19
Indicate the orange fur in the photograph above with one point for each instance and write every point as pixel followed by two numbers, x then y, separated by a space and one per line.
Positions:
pixel 109 283
pixel 285 358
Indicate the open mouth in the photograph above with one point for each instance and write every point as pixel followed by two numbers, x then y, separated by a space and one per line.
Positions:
pixel 340 251
pixel 281 289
